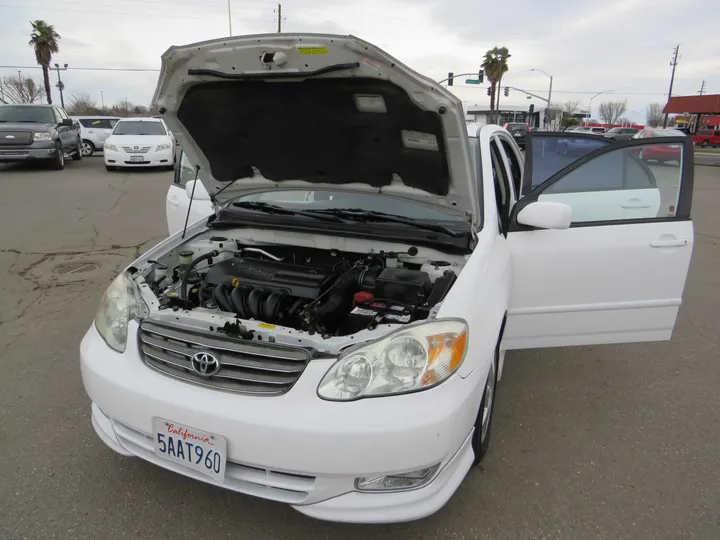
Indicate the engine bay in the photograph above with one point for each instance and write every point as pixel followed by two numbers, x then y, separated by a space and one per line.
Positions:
pixel 324 291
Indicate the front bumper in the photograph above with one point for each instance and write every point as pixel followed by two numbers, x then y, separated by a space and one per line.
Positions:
pixel 38 150
pixel 120 158
pixel 295 448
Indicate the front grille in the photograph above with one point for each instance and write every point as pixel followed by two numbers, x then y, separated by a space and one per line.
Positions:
pixel 269 484
pixel 136 149
pixel 247 367
pixel 16 137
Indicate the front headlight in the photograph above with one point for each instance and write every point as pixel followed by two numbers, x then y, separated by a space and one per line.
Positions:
pixel 162 147
pixel 108 146
pixel 118 305
pixel 42 137
pixel 414 358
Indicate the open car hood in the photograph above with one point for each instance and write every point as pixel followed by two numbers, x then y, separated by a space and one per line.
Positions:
pixel 311 111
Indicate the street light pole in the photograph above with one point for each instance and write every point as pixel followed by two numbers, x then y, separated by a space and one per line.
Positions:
pixel 60 85
pixel 102 100
pixel 547 110
pixel 596 95
pixel 229 18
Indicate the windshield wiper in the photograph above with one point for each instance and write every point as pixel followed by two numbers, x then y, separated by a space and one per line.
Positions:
pixel 358 214
pixel 275 209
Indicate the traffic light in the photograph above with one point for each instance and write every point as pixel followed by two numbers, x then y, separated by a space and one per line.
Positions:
pixel 506 92
pixel 489 92
pixel 481 75
pixel 531 109
pixel 450 78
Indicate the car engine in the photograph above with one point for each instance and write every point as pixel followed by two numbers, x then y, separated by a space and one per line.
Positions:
pixel 324 291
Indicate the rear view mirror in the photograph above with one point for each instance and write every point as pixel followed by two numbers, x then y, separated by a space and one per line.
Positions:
pixel 66 122
pixel 201 193
pixel 546 215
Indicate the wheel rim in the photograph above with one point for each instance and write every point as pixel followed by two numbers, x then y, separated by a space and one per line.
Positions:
pixel 86 149
pixel 61 157
pixel 487 404
pixel 642 154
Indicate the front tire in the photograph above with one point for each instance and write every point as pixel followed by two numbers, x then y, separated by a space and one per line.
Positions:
pixel 704 144
pixel 109 168
pixel 483 423
pixel 88 148
pixel 58 160
pixel 78 154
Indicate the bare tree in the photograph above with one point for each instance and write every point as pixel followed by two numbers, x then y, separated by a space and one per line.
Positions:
pixel 17 89
pixel 610 111
pixel 654 114
pixel 569 107
pixel 83 104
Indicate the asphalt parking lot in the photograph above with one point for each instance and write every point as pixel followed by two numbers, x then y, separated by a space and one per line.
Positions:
pixel 588 442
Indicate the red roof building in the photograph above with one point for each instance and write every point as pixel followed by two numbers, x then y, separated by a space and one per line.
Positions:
pixel 709 104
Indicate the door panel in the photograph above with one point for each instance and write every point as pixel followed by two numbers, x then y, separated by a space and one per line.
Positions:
pixel 618 273
pixel 606 284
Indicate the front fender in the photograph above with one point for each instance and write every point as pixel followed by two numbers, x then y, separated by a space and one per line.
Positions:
pixel 481 296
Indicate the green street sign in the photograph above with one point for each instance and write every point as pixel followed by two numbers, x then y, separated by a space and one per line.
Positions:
pixel 528 97
pixel 472 81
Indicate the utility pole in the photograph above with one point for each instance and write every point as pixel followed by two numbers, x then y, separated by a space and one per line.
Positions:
pixel 102 100
pixel 229 18
pixel 60 84
pixel 702 88
pixel 127 109
pixel 280 17
pixel 673 63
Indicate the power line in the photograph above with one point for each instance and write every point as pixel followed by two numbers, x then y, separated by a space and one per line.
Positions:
pixel 86 11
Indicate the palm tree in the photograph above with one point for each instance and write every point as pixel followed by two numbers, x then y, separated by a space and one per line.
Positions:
pixel 44 39
pixel 495 65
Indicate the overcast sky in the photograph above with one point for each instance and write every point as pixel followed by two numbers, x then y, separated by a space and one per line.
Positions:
pixel 587 45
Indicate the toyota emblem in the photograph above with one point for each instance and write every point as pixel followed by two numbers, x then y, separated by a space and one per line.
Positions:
pixel 136 147
pixel 205 364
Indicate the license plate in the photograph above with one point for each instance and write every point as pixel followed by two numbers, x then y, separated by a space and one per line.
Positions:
pixel 195 449
pixel 137 159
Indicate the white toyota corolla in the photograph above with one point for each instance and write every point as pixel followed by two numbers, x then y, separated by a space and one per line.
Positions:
pixel 331 337
pixel 139 142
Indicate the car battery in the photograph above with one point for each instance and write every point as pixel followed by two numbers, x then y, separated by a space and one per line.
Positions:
pixel 368 314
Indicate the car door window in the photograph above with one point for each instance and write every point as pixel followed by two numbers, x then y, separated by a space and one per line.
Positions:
pixel 634 182
pixel 185 172
pixel 546 155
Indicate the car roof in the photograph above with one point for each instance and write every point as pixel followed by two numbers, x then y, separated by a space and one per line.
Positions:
pixel 40 105
pixel 141 119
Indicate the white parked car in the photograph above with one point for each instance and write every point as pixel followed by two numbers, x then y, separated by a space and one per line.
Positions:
pixel 332 336
pixel 183 189
pixel 94 131
pixel 139 142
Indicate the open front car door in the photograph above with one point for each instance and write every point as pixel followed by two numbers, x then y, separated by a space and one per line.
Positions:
pixel 613 268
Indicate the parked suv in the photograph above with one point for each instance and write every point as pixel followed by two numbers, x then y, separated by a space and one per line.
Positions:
pixel 38 132
pixel 518 131
pixel 93 132
pixel 707 137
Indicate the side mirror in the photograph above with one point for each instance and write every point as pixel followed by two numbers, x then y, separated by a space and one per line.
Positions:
pixel 546 215
pixel 201 193
pixel 66 122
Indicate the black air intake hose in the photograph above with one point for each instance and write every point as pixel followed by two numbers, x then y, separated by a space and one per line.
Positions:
pixel 205 257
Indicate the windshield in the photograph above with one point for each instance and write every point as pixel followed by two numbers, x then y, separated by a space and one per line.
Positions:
pixel 340 200
pixel 136 127
pixel 667 133
pixel 32 115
